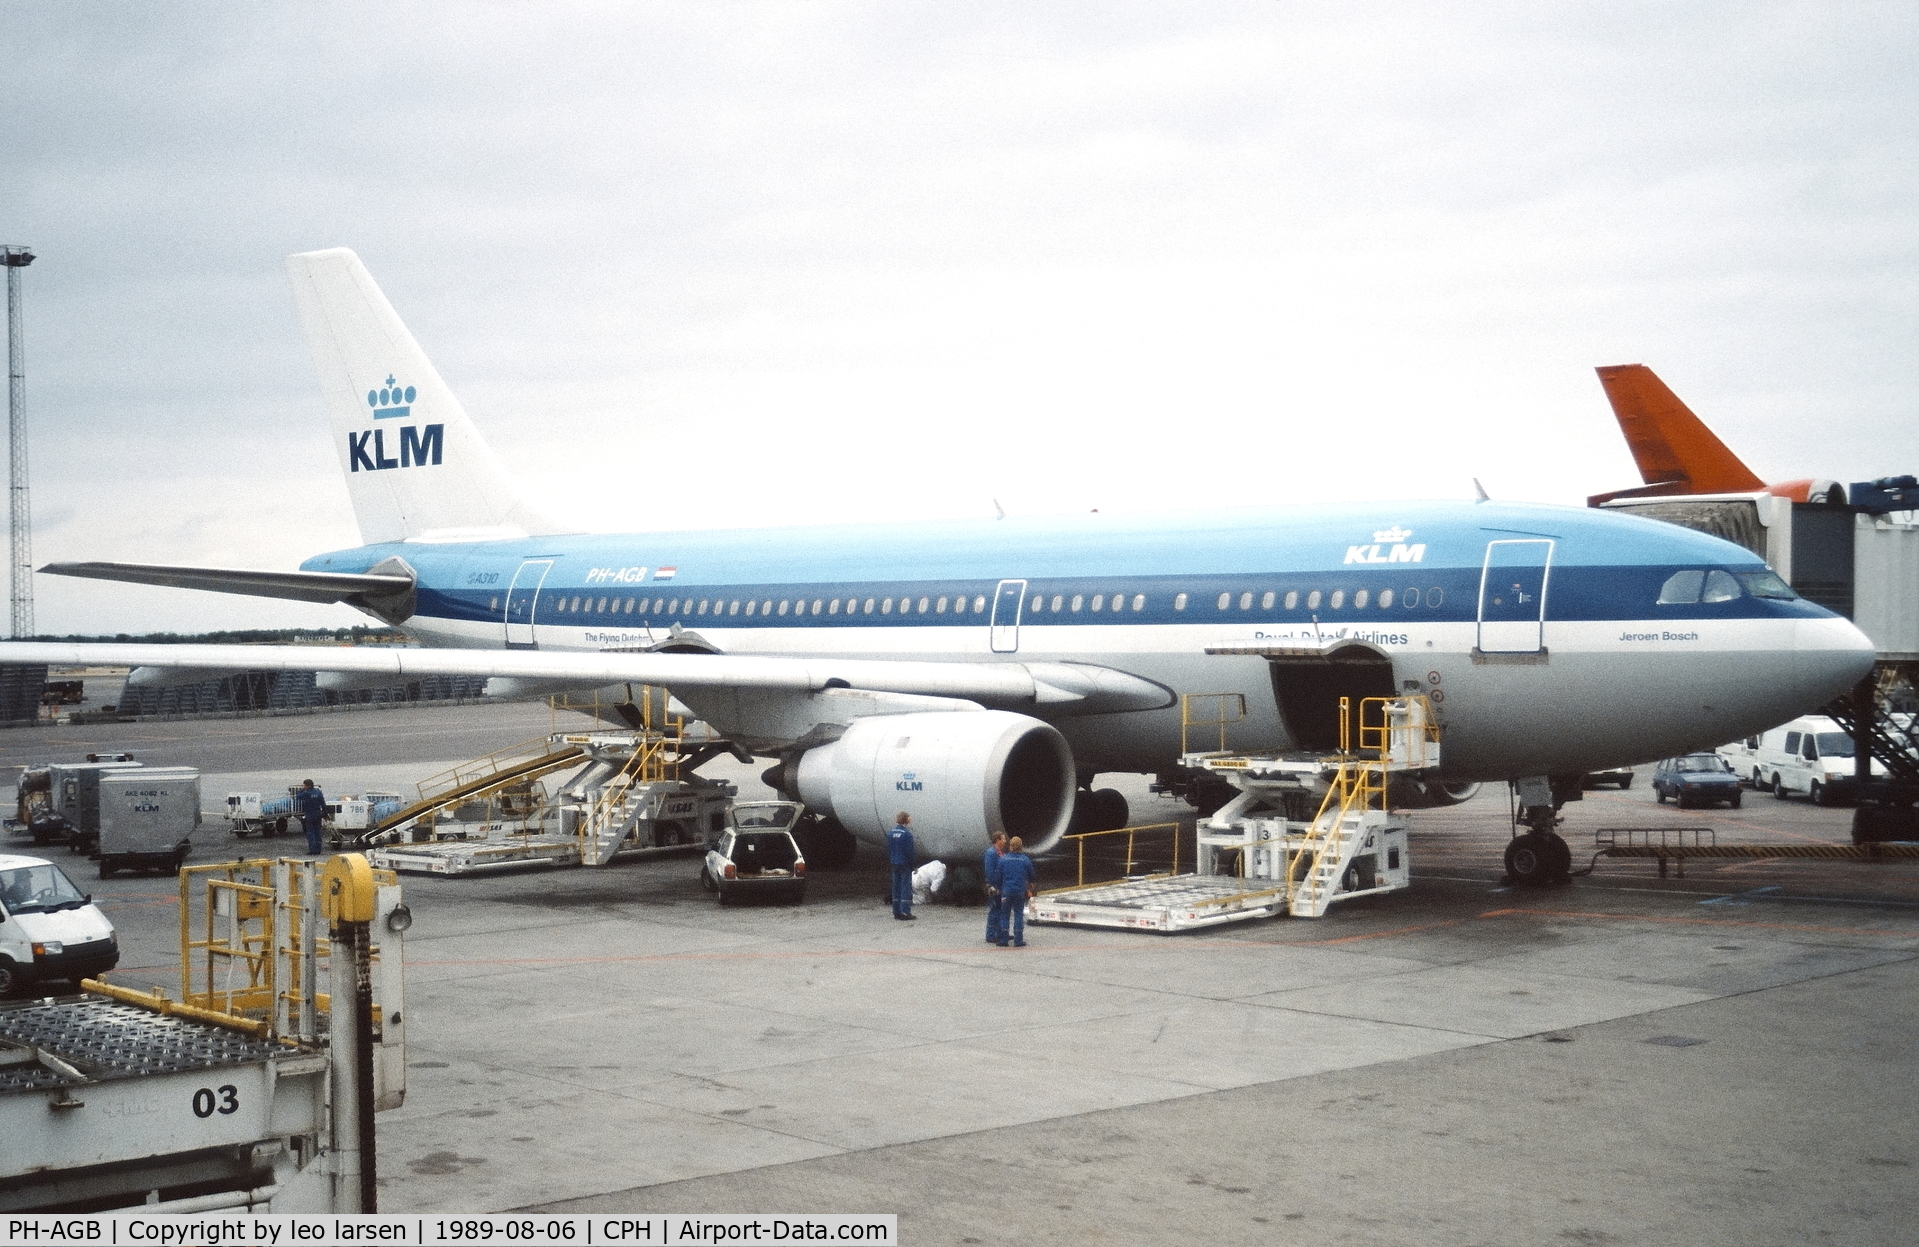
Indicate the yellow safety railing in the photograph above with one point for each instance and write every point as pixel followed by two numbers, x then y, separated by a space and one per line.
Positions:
pixel 1228 709
pixel 1397 729
pixel 1131 833
pixel 251 939
pixel 513 757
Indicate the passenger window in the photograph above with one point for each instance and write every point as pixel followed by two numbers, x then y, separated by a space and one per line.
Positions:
pixel 939 608
pixel 733 607
pixel 1076 603
pixel 1246 600
pixel 1225 600
pixel 1359 600
pixel 575 606
pixel 867 607
pixel 784 605
pixel 1385 598
pixel 493 604
pixel 1338 599
pixel 1411 599
pixel 1720 587
pixel 1099 601
pixel 1435 596
pixel 1139 601
pixel 886 606
pixel 703 603
pixel 922 605
pixel 979 604
pixel 1312 600
pixel 751 607
pixel 833 607
pixel 1179 602
pixel 601 609
pixel 1057 600
pixel 1266 602
pixel 1681 588
pixel 673 606
pixel 1292 599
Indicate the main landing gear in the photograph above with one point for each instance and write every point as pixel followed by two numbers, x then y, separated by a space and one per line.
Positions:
pixel 1537 856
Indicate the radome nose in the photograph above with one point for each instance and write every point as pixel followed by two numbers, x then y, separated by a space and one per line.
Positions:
pixel 1830 656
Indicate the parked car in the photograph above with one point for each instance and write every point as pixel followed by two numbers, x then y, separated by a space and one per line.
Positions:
pixel 757 855
pixel 1697 779
pixel 1620 775
pixel 49 929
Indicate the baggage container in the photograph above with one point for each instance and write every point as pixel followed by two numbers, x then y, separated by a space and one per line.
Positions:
pixel 147 818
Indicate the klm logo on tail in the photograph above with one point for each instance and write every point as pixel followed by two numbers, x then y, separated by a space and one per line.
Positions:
pixel 417 447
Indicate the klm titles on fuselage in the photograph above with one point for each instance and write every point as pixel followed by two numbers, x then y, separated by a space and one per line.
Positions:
pixel 1401 551
pixel 418 446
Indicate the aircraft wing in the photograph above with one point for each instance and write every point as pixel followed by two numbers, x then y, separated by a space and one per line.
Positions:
pixel 1063 686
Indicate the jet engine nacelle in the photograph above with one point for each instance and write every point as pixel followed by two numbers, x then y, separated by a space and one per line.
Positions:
pixel 962 776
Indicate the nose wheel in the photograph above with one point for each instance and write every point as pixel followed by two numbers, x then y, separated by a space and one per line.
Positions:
pixel 1538 859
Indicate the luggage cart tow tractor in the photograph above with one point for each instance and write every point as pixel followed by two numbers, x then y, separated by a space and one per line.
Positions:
pixel 1256 858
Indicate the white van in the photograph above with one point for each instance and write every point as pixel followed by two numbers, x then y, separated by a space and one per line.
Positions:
pixel 1811 754
pixel 49 930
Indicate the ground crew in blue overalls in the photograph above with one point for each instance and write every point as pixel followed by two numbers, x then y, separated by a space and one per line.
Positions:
pixel 310 804
pixel 1015 885
pixel 899 851
pixel 995 907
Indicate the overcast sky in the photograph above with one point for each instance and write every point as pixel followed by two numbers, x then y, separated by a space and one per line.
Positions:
pixel 710 264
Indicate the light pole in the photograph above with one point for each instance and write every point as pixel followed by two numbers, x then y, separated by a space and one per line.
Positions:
pixel 20 515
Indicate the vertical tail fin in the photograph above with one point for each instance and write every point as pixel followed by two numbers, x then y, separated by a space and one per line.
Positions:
pixel 415 465
pixel 1670 444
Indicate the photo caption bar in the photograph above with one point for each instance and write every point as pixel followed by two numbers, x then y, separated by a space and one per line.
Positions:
pixel 229 1229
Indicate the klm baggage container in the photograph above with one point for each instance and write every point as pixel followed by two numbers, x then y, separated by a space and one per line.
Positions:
pixel 147 818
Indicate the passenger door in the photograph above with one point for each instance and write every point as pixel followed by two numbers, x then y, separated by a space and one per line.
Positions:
pixel 523 602
pixel 1512 595
pixel 1003 631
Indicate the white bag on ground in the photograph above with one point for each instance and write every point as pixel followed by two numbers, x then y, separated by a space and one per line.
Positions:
pixel 927 881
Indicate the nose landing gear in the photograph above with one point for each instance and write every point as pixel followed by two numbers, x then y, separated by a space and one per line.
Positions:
pixel 1537 857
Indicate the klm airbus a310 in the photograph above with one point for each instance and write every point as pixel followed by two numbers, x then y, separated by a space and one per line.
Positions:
pixel 980 673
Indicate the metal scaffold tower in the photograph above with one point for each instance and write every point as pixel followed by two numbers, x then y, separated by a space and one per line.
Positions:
pixel 20 518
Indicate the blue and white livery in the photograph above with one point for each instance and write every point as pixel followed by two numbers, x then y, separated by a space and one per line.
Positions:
pixel 978 672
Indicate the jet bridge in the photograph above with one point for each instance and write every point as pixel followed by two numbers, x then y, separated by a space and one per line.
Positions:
pixel 253 1090
pixel 1257 856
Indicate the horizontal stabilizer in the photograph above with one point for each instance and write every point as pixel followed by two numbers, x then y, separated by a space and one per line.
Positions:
pixel 387 594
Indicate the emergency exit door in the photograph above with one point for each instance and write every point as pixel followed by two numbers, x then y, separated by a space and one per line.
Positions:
pixel 1512 596
pixel 523 602
pixel 1008 600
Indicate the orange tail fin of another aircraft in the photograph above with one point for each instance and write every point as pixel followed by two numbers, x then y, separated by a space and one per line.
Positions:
pixel 1675 451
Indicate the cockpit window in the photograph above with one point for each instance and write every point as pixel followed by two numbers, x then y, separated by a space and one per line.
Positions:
pixel 1711 586
pixel 1681 588
pixel 1765 584
pixel 1835 745
pixel 1720 587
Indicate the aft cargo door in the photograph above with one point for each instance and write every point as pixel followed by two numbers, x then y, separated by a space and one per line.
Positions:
pixel 523 602
pixel 1512 596
pixel 1008 599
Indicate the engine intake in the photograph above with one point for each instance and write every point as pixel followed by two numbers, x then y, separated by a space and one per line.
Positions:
pixel 962 776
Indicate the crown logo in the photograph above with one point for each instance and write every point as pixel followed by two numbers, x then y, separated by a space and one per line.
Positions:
pixel 390 401
pixel 1395 533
